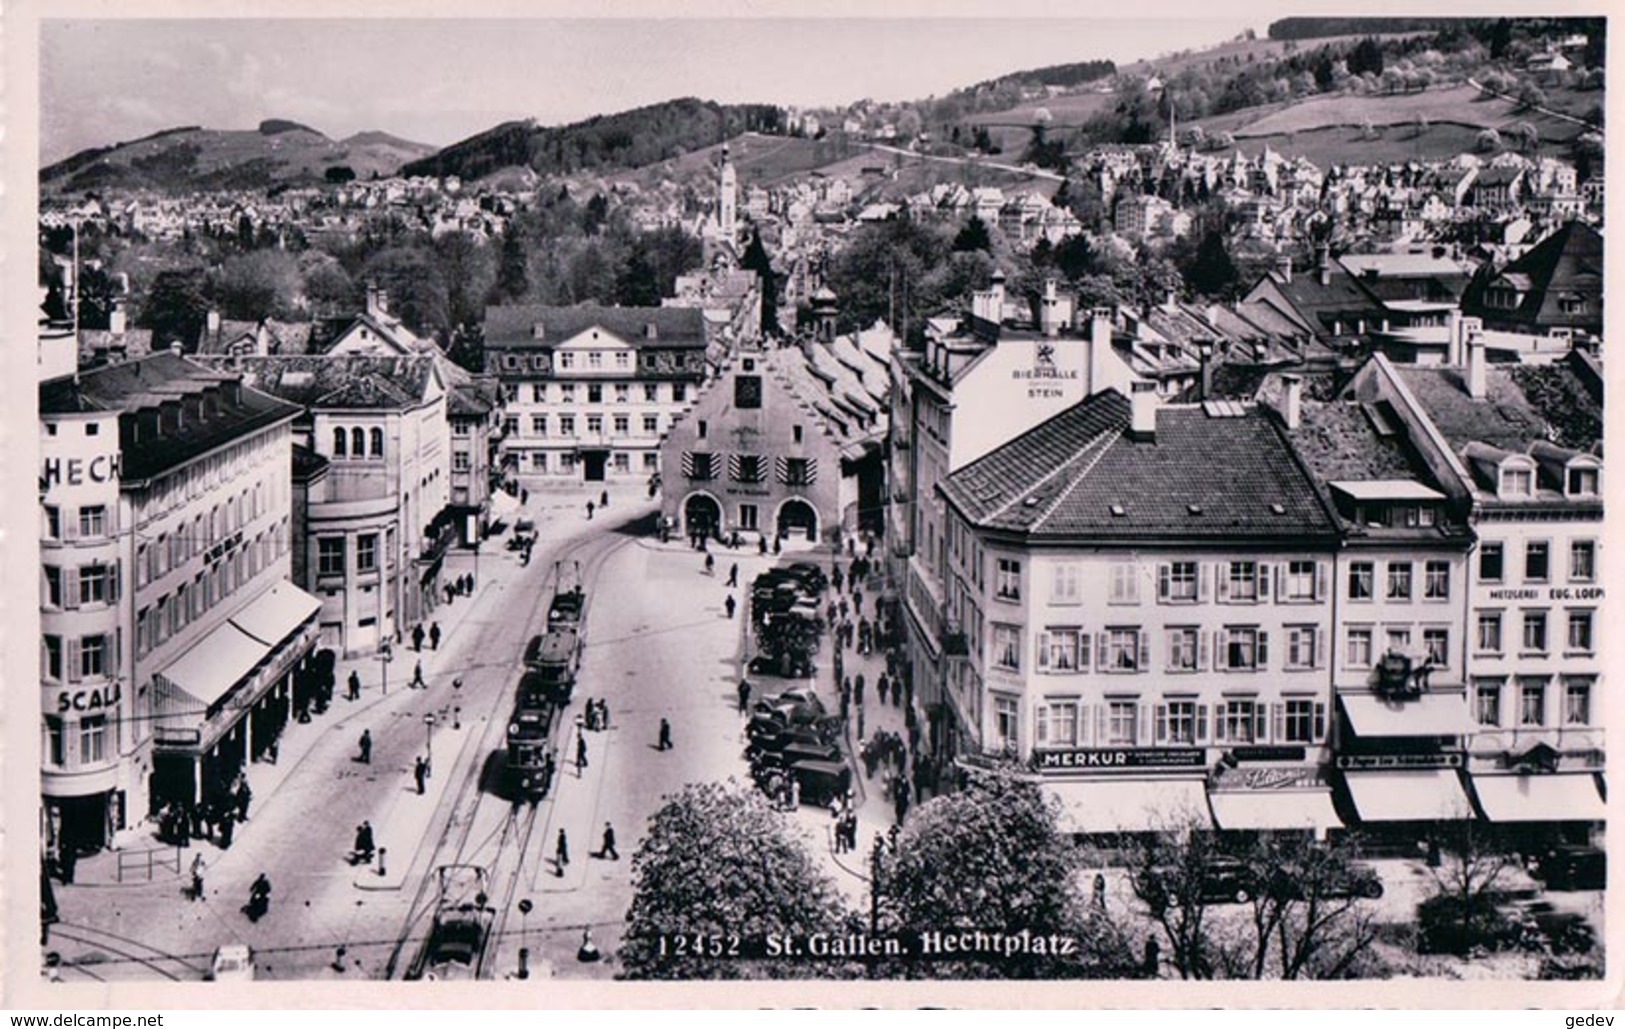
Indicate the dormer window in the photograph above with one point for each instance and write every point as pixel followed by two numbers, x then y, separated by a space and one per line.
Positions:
pixel 538 331
pixel 1517 481
pixel 1583 481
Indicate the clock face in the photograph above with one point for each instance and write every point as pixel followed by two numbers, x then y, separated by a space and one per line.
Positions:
pixel 747 391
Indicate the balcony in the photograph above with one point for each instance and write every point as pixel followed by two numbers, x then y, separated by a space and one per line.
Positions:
pixel 954 641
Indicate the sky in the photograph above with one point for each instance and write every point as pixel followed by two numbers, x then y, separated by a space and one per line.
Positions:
pixel 439 81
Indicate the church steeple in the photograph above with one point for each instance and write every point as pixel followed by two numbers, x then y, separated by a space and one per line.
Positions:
pixel 727 198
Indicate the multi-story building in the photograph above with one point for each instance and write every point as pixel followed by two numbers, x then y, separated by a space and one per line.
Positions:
pixel 1522 444
pixel 1141 596
pixel 376 524
pixel 169 632
pixel 590 390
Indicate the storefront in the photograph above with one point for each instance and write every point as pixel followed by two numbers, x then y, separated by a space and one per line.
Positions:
pixel 1400 764
pixel 1269 789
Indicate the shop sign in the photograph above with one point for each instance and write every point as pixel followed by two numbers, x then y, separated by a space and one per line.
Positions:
pixel 1365 762
pixel 76 471
pixel 93 699
pixel 1043 372
pixel 1145 757
pixel 1575 593
pixel 1268 753
pixel 1267 779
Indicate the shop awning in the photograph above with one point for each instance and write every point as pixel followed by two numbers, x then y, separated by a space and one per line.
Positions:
pixel 1273 809
pixel 1431 714
pixel 1427 795
pixel 1540 798
pixel 219 661
pixel 1131 805
pixel 274 615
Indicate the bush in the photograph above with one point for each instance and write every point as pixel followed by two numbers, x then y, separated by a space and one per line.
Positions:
pixel 1489 140
pixel 1444 928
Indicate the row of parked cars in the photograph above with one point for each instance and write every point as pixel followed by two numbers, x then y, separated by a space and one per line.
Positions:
pixel 1228 880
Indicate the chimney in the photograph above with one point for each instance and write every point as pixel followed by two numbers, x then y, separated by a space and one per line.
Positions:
pixel 1323 264
pixel 214 322
pixel 1292 401
pixel 1283 267
pixel 383 301
pixel 1142 411
pixel 117 321
pixel 997 313
pixel 1454 353
pixel 1204 351
pixel 1048 320
pixel 1477 367
pixel 1100 345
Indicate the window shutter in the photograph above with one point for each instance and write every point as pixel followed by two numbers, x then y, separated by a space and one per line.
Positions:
pixel 70 587
pixel 1162 723
pixel 1144 733
pixel 1164 574
pixel 1043 654
pixel 112 584
pixel 1261 722
pixel 1263 649
pixel 1201 723
pixel 1221 649
pixel 1278 726
pixel 1262 582
pixel 1218 723
pixel 70 655
pixel 1102 652
pixel 1320 580
pixel 1144 664
pixel 1084 664
pixel 1203 647
pixel 1203 580
pixel 1131 584
pixel 1222 570
pixel 1320 646
pixel 1320 721
pixel 1100 724
pixel 1280 581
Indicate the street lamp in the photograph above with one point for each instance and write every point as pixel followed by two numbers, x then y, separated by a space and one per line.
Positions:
pixel 385 656
pixel 428 727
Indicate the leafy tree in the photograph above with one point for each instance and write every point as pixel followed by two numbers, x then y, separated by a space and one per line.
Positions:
pixel 1527 135
pixel 1366 57
pixel 328 287
pixel 973 236
pixel 983 141
pixel 339 173
pixel 990 857
pixel 1530 96
pixel 636 285
pixel 891 269
pixel 597 212
pixel 513 280
pixel 757 260
pixel 259 284
pixel 467 269
pixel 176 307
pixel 1212 273
pixel 1488 140
pixel 417 291
pixel 591 274
pixel 719 860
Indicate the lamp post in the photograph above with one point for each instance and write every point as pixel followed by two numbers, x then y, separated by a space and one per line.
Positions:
pixel 428 746
pixel 385 656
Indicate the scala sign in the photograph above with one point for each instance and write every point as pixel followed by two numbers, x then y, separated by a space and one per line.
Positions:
pixel 76 471
pixel 94 699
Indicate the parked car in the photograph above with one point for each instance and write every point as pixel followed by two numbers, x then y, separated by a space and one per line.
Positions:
pixel 1573 868
pixel 1353 879
pixel 809 575
pixel 1225 880
pixel 233 962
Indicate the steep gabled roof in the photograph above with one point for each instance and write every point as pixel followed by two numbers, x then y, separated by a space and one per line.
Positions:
pixel 1568 263
pixel 514 325
pixel 345 381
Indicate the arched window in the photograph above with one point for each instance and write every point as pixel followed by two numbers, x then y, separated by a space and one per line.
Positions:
pixel 377 442
pixel 338 442
pixel 358 442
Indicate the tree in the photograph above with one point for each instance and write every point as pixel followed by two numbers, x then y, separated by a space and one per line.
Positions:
pixel 1423 123
pixel 513 280
pixel 1530 97
pixel 718 860
pixel 1500 38
pixel 757 260
pixel 417 291
pixel 339 174
pixel 259 284
pixel 1366 58
pixel 973 236
pixel 1211 272
pixel 467 269
pixel 327 286
pixel 176 307
pixel 1527 135
pixel 1461 913
pixel 1488 140
pixel 636 285
pixel 990 857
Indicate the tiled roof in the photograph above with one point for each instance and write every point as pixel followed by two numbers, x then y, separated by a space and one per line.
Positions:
pixel 513 325
pixel 1080 475
pixel 348 381
pixel 1523 404
pixel 1568 262
pixel 94 344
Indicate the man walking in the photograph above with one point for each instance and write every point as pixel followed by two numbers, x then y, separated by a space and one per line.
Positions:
pixel 366 746
pixel 420 772
pixel 417 677
pixel 733 575
pixel 744 695
pixel 608 851
pixel 355 685
pixel 434 636
pixel 729 604
pixel 589 510
pixel 197 877
pixel 665 736
pixel 244 795
pixel 561 852
pixel 417 638
pixel 581 754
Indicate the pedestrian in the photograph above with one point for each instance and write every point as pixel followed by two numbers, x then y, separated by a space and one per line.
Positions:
pixel 857 689
pixel 228 823
pixel 549 766
pixel 776 544
pixel 581 753
pixel 434 636
pixel 1100 891
pixel 728 605
pixel 468 583
pixel 761 545
pixel 710 565
pixel 880 688
pixel 355 685
pixel 417 638
pixel 417 677
pixel 420 771
pixel 603 499
pixel 524 496
pixel 835 576
pixel 665 735
pixel 244 795
pixel 561 852
pixel 589 510
pixel 795 794
pixel 860 722
pixel 744 695
pixel 366 746
pixel 608 850
pixel 259 897
pixel 197 877
pixel 603 713
pixel 733 574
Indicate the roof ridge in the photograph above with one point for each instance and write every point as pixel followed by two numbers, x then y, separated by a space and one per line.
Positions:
pixel 1048 477
pixel 1104 440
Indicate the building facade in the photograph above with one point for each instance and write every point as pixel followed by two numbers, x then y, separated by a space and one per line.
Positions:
pixel 170 637
pixel 591 391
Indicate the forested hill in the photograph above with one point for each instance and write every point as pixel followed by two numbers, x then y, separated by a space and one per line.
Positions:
pixel 629 139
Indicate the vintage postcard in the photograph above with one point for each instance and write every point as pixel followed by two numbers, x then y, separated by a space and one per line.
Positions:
pixel 532 507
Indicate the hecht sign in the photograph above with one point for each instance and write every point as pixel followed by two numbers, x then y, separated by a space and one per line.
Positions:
pixel 76 471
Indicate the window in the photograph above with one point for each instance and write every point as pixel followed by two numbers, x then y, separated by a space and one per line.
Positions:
pixel 1399 580
pixel 93 584
pixel 567 392
pixel 1399 641
pixel 92 657
pixel 538 425
pixel 1007 579
pixel 679 392
pixel 358 442
pixel 53 522
pixel 595 425
pixel 1583 482
pixel 1244 648
pixel 1125 583
pixel 377 448
pixel 1057 725
pixel 702 466
pixel 621 424
pixel 53 586
pixel 1517 482
pixel 1302 720
pixel 1583 561
pixel 366 552
pixel 1487 702
pixel 1122 650
pixel 1300 580
pixel 52 658
pixel 538 392
pixel 1302 646
pixel 92 520
pixel 651 462
pixel 798 471
pixel 1537 561
pixel 510 425
pixel 1580 631
pixel 651 424
pixel 1359 649
pixel 1066 584
pixel 1239 720
pixel 1243 580
pixel 1489 632
pixel 1531 701
pixel 54 755
pixel 330 555
pixel 1576 701
pixel 1436 643
pixel 1122 723
pixel 748 468
pixel 340 442
pixel 1183 644
pixel 1176 582
pixel 595 359
pixel 1362 580
pixel 1534 631
pixel 92 739
pixel 622 461
pixel 1006 735
pixel 1007 647
pixel 747 516
pixel 1491 561
pixel 1177 722
pixel 595 393
pixel 623 392
pixel 651 394
pixel 567 360
pixel 1436 581
pixel 1058 650
pixel 795 434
